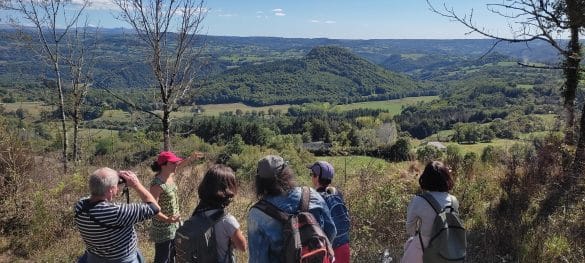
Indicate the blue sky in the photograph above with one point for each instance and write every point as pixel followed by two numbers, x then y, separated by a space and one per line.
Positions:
pixel 347 19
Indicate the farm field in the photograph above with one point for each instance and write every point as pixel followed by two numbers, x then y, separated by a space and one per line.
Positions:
pixel 32 109
pixel 393 106
pixel 477 148
pixel 350 166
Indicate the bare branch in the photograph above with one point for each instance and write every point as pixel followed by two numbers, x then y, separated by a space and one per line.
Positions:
pixel 538 66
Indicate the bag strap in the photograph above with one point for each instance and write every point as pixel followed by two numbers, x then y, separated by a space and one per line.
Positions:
pixel 213 218
pixel 305 198
pixel 276 213
pixel 421 243
pixel 85 209
pixel 432 201
pixel 454 203
pixel 271 210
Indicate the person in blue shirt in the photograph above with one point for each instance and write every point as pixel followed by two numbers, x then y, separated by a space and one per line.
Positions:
pixel 322 174
pixel 275 183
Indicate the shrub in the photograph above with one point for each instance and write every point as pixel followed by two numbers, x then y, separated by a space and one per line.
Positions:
pixel 428 153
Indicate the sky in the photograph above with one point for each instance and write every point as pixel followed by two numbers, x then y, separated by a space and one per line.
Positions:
pixel 339 19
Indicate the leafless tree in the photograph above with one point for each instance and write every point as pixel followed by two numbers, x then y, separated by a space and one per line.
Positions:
pixel 549 21
pixel 80 58
pixel 52 20
pixel 170 30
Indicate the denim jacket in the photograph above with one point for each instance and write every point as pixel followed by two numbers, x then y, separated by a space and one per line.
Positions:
pixel 265 233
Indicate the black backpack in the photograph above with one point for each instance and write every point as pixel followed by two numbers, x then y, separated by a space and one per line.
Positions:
pixel 448 241
pixel 304 240
pixel 195 239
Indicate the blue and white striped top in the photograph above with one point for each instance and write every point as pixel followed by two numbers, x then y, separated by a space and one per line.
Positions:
pixel 112 236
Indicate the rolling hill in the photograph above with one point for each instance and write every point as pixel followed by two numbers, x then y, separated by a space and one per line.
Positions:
pixel 326 73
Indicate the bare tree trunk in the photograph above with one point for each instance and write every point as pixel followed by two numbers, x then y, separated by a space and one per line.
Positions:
pixel 76 149
pixel 54 18
pixel 572 70
pixel 63 115
pixel 166 130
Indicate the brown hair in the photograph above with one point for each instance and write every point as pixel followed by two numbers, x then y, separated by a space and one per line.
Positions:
pixel 436 177
pixel 277 185
pixel 218 187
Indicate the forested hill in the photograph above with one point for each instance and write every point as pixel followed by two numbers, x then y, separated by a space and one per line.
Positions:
pixel 325 74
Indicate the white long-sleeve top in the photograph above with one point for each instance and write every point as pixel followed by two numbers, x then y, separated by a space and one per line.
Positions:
pixel 420 209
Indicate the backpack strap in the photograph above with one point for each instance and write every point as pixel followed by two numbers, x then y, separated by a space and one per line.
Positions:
pixel 454 203
pixel 85 209
pixel 271 210
pixel 305 198
pixel 432 201
pixel 276 213
pixel 213 218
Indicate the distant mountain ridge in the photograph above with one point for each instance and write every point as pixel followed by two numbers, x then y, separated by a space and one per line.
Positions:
pixel 122 62
pixel 326 73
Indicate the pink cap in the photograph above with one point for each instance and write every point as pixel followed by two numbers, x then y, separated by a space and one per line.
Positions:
pixel 167 157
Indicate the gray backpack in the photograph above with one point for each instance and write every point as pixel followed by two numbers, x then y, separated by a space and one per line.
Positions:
pixel 195 239
pixel 448 241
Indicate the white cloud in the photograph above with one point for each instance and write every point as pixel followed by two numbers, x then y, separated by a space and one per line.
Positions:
pixel 315 21
pixel 330 22
pixel 181 11
pixel 259 12
pixel 279 14
pixel 97 4
pixel 277 10
pixel 226 15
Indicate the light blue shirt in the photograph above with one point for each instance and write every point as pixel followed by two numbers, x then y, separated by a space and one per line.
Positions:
pixel 265 233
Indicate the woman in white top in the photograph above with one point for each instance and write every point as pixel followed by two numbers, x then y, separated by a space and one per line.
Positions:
pixel 435 179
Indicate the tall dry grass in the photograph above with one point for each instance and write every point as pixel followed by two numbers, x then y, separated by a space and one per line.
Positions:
pixel 519 208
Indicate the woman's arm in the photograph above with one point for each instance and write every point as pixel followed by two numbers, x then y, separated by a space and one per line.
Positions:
pixel 412 217
pixel 193 157
pixel 239 240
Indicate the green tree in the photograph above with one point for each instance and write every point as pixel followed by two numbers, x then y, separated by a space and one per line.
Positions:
pixel 428 153
pixel 235 145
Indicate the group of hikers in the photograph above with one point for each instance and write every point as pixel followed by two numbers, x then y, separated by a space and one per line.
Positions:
pixel 289 223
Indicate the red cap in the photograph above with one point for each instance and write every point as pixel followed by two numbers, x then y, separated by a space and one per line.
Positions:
pixel 167 157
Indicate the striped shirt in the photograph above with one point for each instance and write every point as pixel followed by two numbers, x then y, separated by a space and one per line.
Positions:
pixel 118 240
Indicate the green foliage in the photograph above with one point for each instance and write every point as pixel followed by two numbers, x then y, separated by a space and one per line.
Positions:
pixel 325 74
pixel 468 163
pixel 427 153
pixel 397 152
pixel 454 158
pixel 556 247
pixel 489 154
pixel 235 145
pixel 105 146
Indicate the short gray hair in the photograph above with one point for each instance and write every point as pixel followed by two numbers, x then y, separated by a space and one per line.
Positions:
pixel 101 180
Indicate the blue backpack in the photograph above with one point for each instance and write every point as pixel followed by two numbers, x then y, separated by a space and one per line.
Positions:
pixel 339 214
